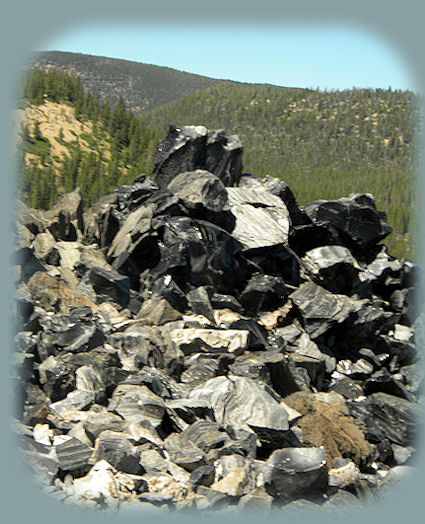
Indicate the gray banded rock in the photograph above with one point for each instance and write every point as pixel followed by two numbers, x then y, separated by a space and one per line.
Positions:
pixel 157 311
pixel 211 499
pixel 108 285
pixel 101 223
pixel 205 434
pixel 262 219
pixel 158 382
pixel 202 476
pixel 201 370
pixel 77 431
pixel 257 501
pixel 383 381
pixel 118 450
pixel 136 346
pixel 361 368
pixel 57 373
pixel 46 249
pixel 44 464
pixel 220 301
pixel 153 461
pixel 136 226
pixel 404 351
pixel 306 347
pixel 277 187
pixel 143 433
pixel 137 404
pixel 185 453
pixel 333 267
pixel 98 419
pixel 382 266
pixel 321 309
pixel 89 380
pixel 223 156
pixel 73 454
pixel 315 367
pixel 199 253
pixel 64 220
pixel 33 220
pixel 263 292
pixel 190 410
pixel 131 196
pixel 200 304
pixel 200 189
pixel 78 337
pixel 242 402
pixel 386 416
pixel 165 287
pixel 74 401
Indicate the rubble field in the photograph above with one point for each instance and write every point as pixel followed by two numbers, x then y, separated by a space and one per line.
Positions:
pixel 196 340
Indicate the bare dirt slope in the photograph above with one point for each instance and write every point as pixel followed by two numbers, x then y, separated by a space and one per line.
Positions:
pixel 54 119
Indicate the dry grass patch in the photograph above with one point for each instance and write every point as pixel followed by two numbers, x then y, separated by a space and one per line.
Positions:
pixel 326 422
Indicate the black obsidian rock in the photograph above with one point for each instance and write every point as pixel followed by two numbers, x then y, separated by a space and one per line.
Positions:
pixel 263 292
pixel 108 285
pixel 188 148
pixel 166 287
pixel 355 219
pixel 198 253
pixel 386 416
pixel 296 472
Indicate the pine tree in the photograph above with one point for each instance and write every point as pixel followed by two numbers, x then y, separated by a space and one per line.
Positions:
pixel 38 137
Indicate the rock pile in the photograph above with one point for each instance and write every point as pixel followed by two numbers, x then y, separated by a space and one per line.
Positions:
pixel 199 340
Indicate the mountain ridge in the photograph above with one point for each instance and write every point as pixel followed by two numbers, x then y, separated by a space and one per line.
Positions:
pixel 112 78
pixel 173 83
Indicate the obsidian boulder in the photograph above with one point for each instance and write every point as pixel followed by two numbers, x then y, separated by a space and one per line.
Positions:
pixel 354 218
pixel 188 148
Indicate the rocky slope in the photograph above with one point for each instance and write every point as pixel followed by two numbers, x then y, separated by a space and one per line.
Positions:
pixel 198 340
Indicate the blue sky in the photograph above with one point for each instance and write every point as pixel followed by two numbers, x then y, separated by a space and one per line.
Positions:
pixel 327 57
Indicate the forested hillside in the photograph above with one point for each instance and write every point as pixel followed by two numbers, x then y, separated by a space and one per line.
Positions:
pixel 323 144
pixel 69 138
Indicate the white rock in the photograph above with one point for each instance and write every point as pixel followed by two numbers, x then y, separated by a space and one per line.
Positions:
pixel 347 474
pixel 60 439
pixel 194 340
pixel 104 481
pixel 226 316
pixel 69 253
pixel 43 434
